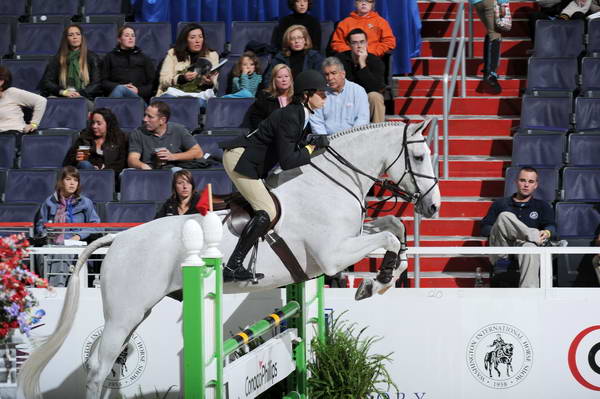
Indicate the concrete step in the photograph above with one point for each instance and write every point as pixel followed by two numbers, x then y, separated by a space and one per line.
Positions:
pixel 442 27
pixel 429 86
pixel 510 47
pixel 447 9
pixel 513 66
pixel 460 106
pixel 469 125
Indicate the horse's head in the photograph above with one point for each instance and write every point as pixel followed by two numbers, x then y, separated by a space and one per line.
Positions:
pixel 508 350
pixel 414 170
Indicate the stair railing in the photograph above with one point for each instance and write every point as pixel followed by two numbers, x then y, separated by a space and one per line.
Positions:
pixel 449 81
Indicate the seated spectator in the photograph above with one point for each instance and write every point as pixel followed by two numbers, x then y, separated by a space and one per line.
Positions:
pixel 299 16
pixel 549 9
pixel 184 198
pixel 160 144
pixel 578 9
pixel 245 76
pixel 66 205
pixel 178 66
pixel 12 100
pixel 521 221
pixel 297 52
pixel 379 33
pixel 101 146
pixel 126 71
pixel 346 106
pixel 367 70
pixel 75 71
pixel 277 95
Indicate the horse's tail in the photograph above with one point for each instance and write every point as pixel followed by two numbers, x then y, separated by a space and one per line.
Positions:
pixel 29 376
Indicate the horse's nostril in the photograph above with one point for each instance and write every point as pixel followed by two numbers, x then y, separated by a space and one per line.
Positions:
pixel 433 208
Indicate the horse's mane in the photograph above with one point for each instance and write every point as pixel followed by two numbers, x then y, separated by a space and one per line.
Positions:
pixel 364 128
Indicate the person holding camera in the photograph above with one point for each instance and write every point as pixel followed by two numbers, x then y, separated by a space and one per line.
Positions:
pixel 283 138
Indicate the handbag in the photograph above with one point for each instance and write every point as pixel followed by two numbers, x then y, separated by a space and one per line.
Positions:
pixel 503 17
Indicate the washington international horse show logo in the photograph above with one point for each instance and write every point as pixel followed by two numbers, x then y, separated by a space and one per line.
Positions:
pixel 130 363
pixel 499 356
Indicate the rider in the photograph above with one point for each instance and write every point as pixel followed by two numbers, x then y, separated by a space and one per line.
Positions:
pixel 281 138
pixel 498 342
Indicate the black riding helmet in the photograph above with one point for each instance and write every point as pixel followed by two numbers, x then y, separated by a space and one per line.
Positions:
pixel 309 80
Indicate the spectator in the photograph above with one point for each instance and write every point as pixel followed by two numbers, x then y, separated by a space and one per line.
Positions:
pixel 367 70
pixel 277 95
pixel 379 34
pixel 184 197
pixel 101 146
pixel 66 205
pixel 127 72
pixel 299 16
pixel 75 71
pixel 346 106
pixel 160 144
pixel 245 75
pixel 523 221
pixel 189 47
pixel 578 9
pixel 297 52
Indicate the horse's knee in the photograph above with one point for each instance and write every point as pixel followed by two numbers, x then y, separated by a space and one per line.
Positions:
pixel 392 242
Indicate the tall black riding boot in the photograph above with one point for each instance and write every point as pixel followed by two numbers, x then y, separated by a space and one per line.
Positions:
pixel 256 227
pixel 491 58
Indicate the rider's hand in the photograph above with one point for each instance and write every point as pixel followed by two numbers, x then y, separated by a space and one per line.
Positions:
pixel 318 140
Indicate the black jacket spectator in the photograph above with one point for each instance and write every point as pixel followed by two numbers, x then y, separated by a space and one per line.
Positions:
pixel 169 208
pixel 311 23
pixel 50 85
pixel 128 66
pixel 264 106
pixel 534 213
pixel 371 78
pixel 114 156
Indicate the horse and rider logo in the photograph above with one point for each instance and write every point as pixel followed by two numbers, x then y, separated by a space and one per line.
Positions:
pixel 499 356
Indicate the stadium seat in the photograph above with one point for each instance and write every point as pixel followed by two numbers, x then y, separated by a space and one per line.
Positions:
pixel 60 132
pixel 576 270
pixel 584 149
pixel 101 38
pixel 547 182
pixel 98 185
pixel 590 77
pixel 129 111
pixel 577 219
pixel 46 151
pixel 214 31
pixel 225 75
pixel 545 114
pixel 244 31
pixel 184 110
pixel 2 183
pixel 539 149
pixel 227 115
pixel 593 47
pixel 13 7
pixel 29 185
pixel 210 143
pixel 326 33
pixel 7 150
pixel 154 38
pixel 221 184
pixel 552 77
pixel 26 74
pixel 129 212
pixel 28 43
pixel 587 114
pixel 6 39
pixel 66 113
pixel 581 184
pixel 558 39
pixel 102 7
pixel 145 185
pixel 18 212
pixel 49 8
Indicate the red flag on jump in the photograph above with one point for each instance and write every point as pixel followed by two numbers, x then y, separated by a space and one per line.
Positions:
pixel 204 204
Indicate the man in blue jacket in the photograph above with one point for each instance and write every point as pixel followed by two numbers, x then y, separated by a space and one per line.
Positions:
pixel 521 221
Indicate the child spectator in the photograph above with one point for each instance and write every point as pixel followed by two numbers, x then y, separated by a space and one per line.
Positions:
pixel 245 75
pixel 277 95
pixel 183 198
pixel 297 52
pixel 299 16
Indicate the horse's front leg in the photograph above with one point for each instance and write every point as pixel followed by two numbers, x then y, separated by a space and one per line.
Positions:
pixel 497 369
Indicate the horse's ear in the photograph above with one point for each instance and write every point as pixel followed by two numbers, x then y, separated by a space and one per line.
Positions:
pixel 421 127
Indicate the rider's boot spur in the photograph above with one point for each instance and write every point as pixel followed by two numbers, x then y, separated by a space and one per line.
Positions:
pixel 256 227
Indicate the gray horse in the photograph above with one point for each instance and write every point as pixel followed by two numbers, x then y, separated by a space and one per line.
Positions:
pixel 321 220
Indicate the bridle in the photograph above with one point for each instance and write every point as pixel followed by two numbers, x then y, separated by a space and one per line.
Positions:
pixel 389 185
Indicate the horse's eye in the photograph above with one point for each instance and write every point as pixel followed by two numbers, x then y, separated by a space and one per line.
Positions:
pixel 419 158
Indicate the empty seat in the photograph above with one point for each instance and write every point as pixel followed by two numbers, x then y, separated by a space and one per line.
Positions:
pixel 48 8
pixel 129 212
pixel 100 38
pixel 29 185
pixel 7 150
pixel 6 39
pixel 2 183
pixel 547 182
pixel 590 77
pixel 68 113
pixel 129 111
pixel 13 7
pixel 60 132
pixel 46 151
pixel 210 143
pixel 154 38
pixel 228 115
pixel 26 74
pixel 184 110
pixel 593 47
pixel 326 33
pixel 244 31
pixel 102 7
pixel 98 185
pixel 225 75
pixel 539 149
pixel 557 39
pixel 551 76
pixel 577 220
pixel 28 41
pixel 549 114
pixel 145 185
pixel 214 32
pixel 576 270
pixel 221 184
pixel 587 114
pixel 581 184
pixel 18 212
pixel 584 149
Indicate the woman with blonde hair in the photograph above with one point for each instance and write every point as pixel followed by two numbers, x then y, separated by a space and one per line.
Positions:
pixel 277 95
pixel 297 52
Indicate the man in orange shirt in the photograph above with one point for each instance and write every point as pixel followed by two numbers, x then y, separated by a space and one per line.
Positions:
pixel 379 34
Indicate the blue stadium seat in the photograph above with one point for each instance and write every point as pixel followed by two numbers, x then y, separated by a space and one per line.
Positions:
pixel 244 31
pixel 593 47
pixel 558 39
pixel 48 8
pixel 6 39
pixel 44 151
pixel 225 77
pixel 581 184
pixel 210 143
pixel 184 110
pixel 18 212
pixel 101 38
pixel 129 111
pixel 98 185
pixel 102 7
pixel 154 38
pixel 590 76
pixel 2 183
pixel 577 220
pixel 546 114
pixel 547 182
pixel 539 149
pixel 552 76
pixel 326 33
pixel 8 148
pixel 145 185
pixel 60 132
pixel 65 112
pixel 26 74
pixel 13 7
pixel 584 149
pixel 29 185
pixel 129 212
pixel 227 115
pixel 587 114
pixel 221 184
pixel 214 31
pixel 28 43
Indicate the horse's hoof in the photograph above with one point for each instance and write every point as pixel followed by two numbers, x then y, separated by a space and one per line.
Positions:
pixel 365 290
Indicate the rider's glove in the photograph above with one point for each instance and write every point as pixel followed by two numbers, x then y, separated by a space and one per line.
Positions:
pixel 318 140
